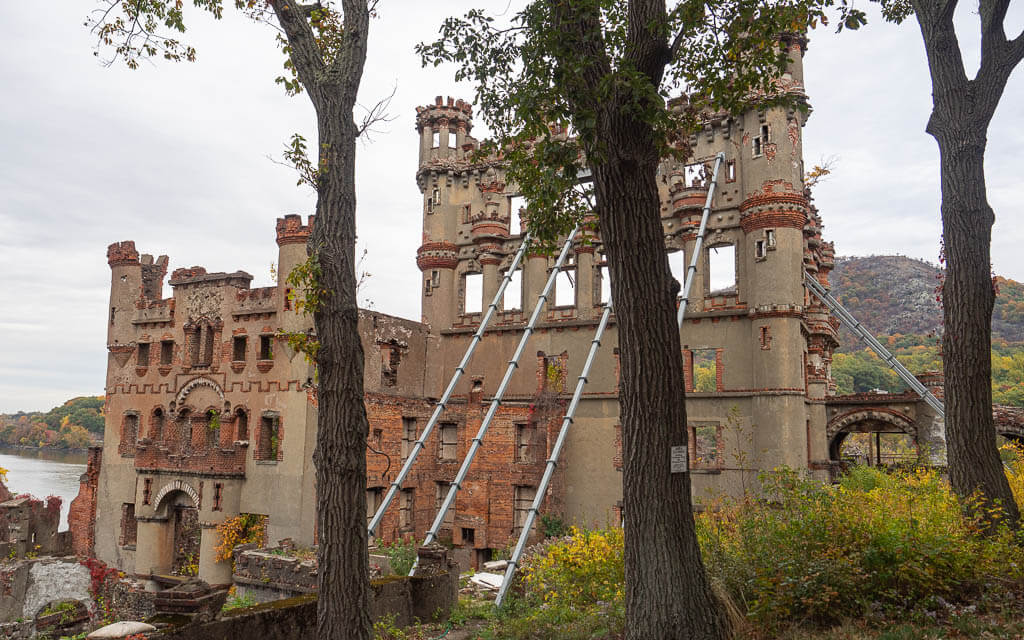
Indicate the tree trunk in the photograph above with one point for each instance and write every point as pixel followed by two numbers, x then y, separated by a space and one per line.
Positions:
pixel 340 455
pixel 962 110
pixel 669 597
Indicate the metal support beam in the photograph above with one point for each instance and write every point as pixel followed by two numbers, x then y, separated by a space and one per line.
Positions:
pixel 853 325
pixel 513 364
pixel 443 402
pixel 701 231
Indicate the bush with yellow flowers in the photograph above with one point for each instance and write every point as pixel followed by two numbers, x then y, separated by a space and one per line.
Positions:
pixel 241 529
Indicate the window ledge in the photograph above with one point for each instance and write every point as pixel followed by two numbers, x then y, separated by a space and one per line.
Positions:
pixel 266 461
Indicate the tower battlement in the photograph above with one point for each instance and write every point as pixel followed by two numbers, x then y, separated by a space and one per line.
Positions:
pixel 123 253
pixel 290 229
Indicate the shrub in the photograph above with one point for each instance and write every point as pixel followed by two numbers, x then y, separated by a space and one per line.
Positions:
pixel 241 529
pixel 818 553
pixel 402 554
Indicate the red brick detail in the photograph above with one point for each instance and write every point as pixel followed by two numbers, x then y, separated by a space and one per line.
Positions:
pixel 184 273
pixel 617 458
pixel 490 259
pixel 769 219
pixel 82 513
pixel 437 255
pixel 120 254
pixel 586 248
pixel 290 229
pixel 187 444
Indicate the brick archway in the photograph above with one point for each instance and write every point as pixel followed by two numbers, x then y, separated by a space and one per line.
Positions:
pixel 867 419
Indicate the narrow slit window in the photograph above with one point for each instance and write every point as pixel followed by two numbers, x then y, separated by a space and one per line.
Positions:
pixel 435 140
pixel 241 425
pixel 238 344
pixel 769 238
pixel 513 300
pixel 722 270
pixel 449 442
pixel 606 284
pixel 515 203
pixel 143 360
pixel 677 265
pixel 759 249
pixel 730 171
pixel 266 348
pixel 408 437
pixel 474 292
pixel 166 352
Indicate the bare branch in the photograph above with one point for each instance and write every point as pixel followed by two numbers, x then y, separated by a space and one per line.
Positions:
pixel 376 114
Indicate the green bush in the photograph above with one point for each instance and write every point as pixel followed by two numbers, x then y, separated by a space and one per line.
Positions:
pixel 884 542
pixel 402 555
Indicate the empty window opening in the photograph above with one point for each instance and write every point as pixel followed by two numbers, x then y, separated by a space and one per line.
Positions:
pixel 524 439
pixel 515 203
pixel 374 497
pixel 468 536
pixel 513 299
pixel 408 437
pixel 697 174
pixel 266 348
pixel 474 292
pixel 722 270
pixel 523 501
pixel 192 345
pixel 166 352
pixel 147 490
pixel 448 449
pixel 677 265
pixel 377 439
pixel 766 338
pixel 129 525
pixel 760 140
pixel 129 434
pixel 760 250
pixel 143 360
pixel 212 428
pixel 435 140
pixel 241 425
pixel 206 358
pixel 406 503
pixel 238 346
pixel 430 205
pixel 705 371
pixel 706 446
pixel 391 357
pixel 288 295
pixel 270 438
pixel 113 312
pixel 441 491
pixel 565 287
pixel 436 196
pixel 769 238
pixel 606 284
pixel 156 425
pixel 730 171
pixel 218 496
pixel 555 372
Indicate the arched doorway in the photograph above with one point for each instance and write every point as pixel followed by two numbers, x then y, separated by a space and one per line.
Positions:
pixel 173 533
pixel 873 437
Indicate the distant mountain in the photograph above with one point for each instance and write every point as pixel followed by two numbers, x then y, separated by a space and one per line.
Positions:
pixel 896 295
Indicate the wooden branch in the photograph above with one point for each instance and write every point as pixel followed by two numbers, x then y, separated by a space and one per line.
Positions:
pixel 305 53
pixel 346 70
pixel 644 47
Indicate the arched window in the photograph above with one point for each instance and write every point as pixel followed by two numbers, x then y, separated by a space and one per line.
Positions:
pixel 241 425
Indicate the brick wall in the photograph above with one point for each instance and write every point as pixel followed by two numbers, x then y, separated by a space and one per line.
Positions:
pixel 82 513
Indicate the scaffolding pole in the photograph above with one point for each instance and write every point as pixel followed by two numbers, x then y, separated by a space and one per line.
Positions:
pixel 705 214
pixel 443 402
pixel 853 325
pixel 513 364
pixel 552 461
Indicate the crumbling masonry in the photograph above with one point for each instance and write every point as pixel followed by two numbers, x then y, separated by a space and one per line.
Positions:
pixel 210 414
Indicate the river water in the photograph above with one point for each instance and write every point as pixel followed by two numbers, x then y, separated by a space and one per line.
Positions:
pixel 44 473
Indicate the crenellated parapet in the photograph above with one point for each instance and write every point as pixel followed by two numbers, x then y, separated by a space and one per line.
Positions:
pixel 453 113
pixel 290 229
pixel 121 254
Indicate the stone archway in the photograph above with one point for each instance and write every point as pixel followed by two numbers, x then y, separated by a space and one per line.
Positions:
pixel 875 420
pixel 168 542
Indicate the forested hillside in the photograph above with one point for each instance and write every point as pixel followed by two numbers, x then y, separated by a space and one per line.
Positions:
pixel 72 425
pixel 897 298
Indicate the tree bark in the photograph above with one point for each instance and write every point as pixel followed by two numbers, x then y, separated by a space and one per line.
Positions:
pixel 340 455
pixel 668 594
pixel 962 110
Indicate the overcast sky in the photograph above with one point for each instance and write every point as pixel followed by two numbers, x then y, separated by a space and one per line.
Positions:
pixel 175 157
